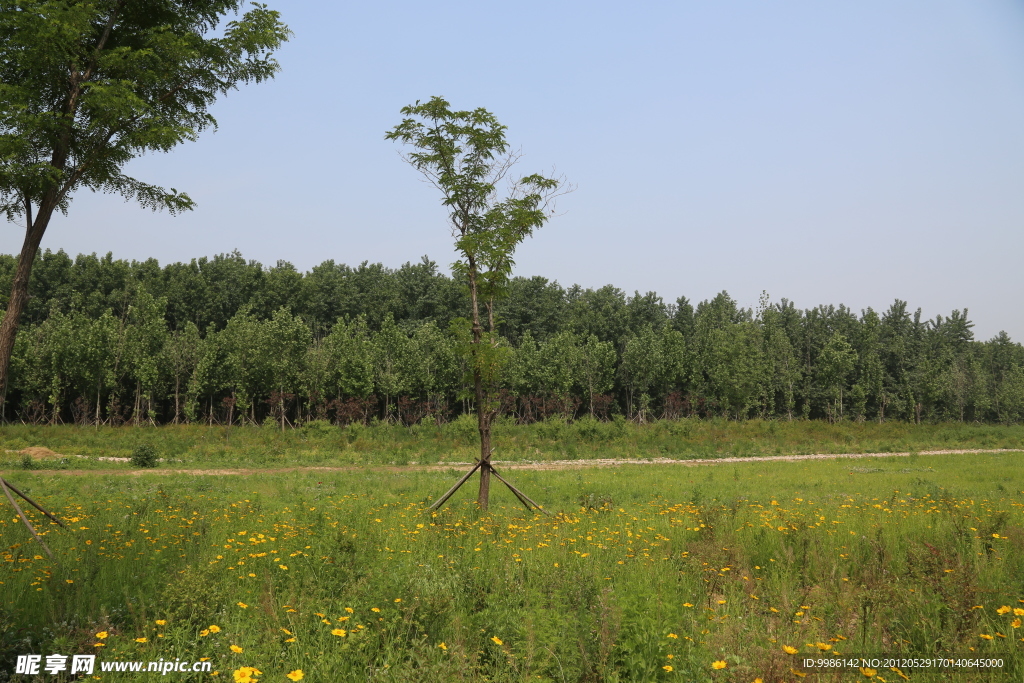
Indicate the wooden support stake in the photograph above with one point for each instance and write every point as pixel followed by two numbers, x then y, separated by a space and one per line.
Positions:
pixel 441 501
pixel 523 498
pixel 33 503
pixel 516 493
pixel 7 492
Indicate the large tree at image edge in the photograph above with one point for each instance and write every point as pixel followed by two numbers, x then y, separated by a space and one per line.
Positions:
pixel 464 154
pixel 88 86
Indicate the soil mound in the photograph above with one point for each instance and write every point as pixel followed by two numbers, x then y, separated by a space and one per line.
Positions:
pixel 40 452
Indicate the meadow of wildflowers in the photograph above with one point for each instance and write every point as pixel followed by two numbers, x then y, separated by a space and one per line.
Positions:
pixel 732 572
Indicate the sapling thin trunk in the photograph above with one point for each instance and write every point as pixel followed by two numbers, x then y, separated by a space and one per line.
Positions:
pixel 480 393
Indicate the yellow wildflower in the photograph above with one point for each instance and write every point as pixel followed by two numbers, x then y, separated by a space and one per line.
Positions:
pixel 214 628
pixel 102 634
pixel 1005 609
pixel 246 674
pixel 720 664
pixel 789 649
pixel 237 650
pixel 340 632
pixel 160 622
pixel 867 672
pixel 497 640
pixel 296 675
pixel 667 667
pixel 141 640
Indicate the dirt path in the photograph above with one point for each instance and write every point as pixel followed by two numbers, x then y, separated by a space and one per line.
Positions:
pixel 519 465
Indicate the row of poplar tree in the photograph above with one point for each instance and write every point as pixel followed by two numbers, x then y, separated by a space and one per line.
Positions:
pixel 228 340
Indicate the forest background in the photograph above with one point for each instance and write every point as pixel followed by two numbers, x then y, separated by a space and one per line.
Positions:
pixel 225 340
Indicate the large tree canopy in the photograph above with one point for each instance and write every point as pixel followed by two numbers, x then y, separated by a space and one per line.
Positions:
pixel 87 86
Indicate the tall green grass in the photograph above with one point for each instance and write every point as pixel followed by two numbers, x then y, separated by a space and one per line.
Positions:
pixel 322 444
pixel 637 574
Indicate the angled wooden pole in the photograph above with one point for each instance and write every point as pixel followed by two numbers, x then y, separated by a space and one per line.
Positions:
pixel 33 503
pixel 523 498
pixel 516 492
pixel 7 492
pixel 486 466
pixel 441 501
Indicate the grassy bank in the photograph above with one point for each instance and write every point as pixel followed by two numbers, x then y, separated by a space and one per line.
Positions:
pixel 639 574
pixel 323 444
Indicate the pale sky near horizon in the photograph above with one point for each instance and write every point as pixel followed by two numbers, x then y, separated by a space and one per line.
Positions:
pixel 826 152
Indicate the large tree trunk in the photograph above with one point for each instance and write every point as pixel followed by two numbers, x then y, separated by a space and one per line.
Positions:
pixel 19 290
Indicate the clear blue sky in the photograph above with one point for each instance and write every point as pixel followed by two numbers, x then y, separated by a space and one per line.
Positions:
pixel 828 152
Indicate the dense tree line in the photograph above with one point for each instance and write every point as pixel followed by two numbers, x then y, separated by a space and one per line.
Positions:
pixel 225 339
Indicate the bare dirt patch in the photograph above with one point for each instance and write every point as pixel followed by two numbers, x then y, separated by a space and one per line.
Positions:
pixel 516 465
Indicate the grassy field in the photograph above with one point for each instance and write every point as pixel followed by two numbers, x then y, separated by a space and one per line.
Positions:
pixel 653 573
pixel 383 444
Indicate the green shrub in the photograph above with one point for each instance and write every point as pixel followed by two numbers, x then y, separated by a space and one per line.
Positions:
pixel 554 428
pixel 464 427
pixel 319 429
pixel 144 455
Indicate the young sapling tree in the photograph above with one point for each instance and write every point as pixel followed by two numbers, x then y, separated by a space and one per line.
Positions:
pixel 465 156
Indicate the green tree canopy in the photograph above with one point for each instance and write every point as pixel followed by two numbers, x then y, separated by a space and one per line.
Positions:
pixel 85 87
